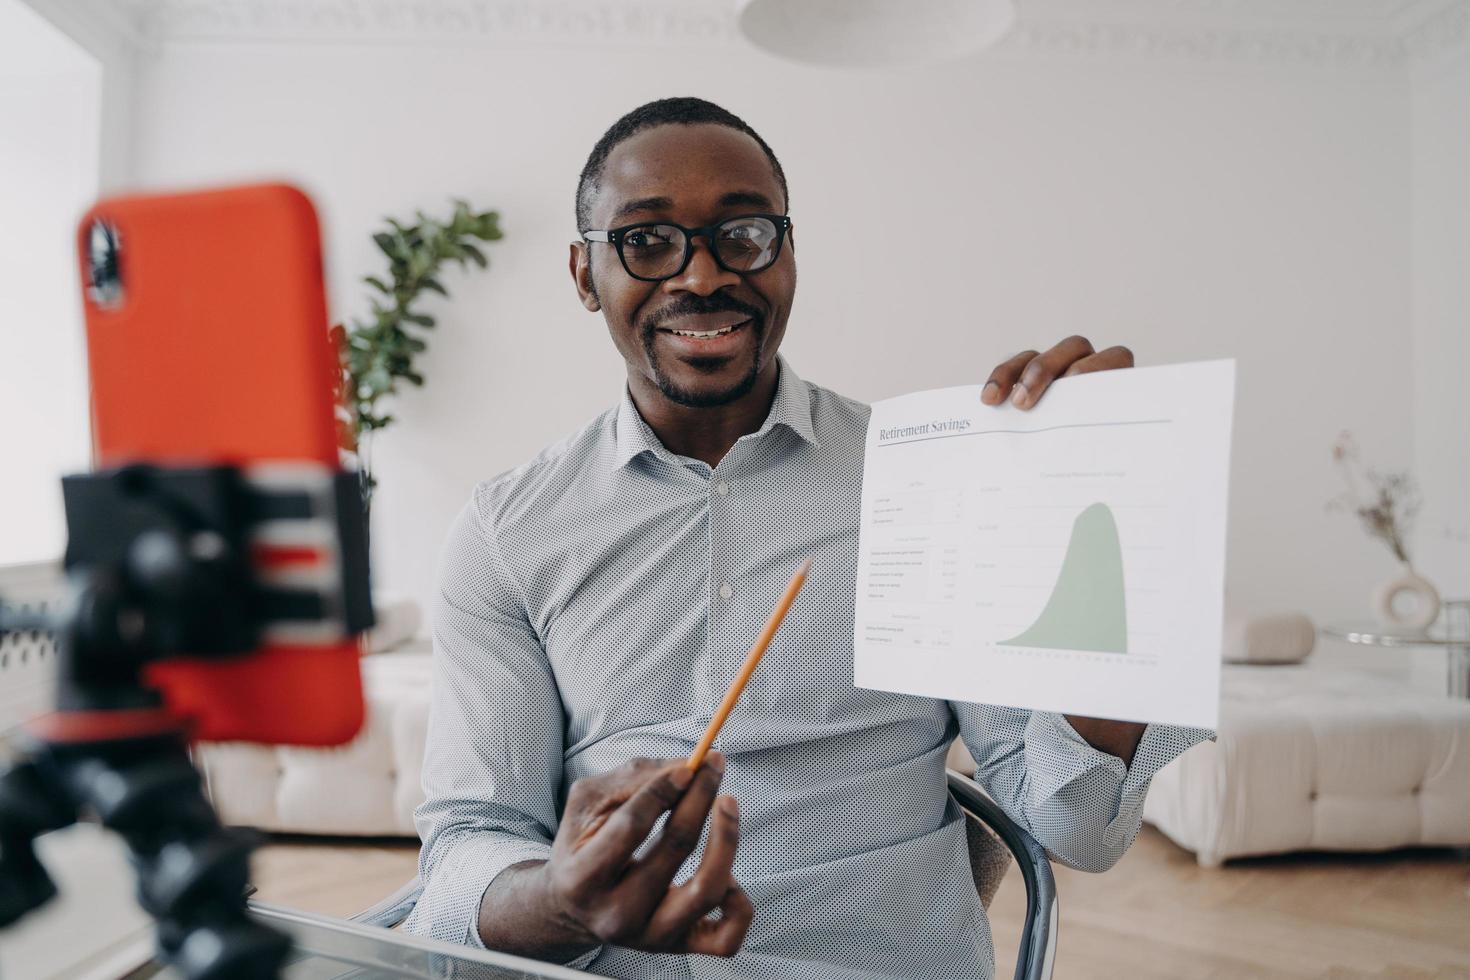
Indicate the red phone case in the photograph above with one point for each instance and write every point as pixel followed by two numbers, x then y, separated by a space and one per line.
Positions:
pixel 218 354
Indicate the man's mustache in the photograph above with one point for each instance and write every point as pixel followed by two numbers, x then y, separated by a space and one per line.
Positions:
pixel 691 305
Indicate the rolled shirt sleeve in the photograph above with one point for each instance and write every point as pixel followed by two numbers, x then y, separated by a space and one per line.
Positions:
pixel 493 761
pixel 1080 803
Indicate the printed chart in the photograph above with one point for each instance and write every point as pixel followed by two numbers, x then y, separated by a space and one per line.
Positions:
pixel 1070 558
pixel 1088 609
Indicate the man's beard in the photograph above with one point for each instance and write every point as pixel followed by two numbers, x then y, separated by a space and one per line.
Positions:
pixel 717 303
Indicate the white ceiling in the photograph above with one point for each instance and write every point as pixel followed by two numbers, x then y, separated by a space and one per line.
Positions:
pixel 1333 33
pixel 30 46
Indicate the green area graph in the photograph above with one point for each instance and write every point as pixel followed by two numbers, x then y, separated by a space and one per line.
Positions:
pixel 1086 610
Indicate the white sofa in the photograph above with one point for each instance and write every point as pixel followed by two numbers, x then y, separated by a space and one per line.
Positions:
pixel 1319 757
pixel 368 787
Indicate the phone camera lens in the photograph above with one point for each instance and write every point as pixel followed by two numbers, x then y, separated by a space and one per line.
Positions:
pixel 104 268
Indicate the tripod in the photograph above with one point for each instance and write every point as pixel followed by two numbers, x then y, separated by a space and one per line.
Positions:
pixel 158 563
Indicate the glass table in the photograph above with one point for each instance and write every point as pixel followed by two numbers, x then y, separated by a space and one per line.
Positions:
pixel 1451 633
pixel 335 949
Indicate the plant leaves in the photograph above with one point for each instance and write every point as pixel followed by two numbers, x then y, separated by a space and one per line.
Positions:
pixel 375 355
pixel 388 243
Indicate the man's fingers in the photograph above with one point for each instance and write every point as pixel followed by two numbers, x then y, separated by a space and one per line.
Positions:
pixel 686 904
pixel 592 799
pixel 998 387
pixel 723 936
pixel 1105 360
pixel 1046 368
pixel 719 852
pixel 1024 378
pixel 680 834
pixel 610 846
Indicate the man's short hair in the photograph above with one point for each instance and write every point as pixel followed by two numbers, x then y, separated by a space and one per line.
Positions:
pixel 683 111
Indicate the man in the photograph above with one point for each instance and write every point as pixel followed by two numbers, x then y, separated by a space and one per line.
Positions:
pixel 595 602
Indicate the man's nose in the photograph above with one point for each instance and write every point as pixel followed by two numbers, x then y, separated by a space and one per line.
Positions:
pixel 703 274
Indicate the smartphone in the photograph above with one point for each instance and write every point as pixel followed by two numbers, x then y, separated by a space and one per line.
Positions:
pixel 207 344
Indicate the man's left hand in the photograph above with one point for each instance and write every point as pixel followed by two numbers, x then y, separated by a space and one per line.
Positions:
pixel 1026 376
pixel 1023 379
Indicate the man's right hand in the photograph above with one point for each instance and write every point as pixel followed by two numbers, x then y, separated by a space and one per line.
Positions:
pixel 593 891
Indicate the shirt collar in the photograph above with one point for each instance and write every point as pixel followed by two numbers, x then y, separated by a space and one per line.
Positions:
pixel 791 407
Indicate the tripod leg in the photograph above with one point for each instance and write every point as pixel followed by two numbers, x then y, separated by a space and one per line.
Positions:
pixel 30 805
pixel 192 872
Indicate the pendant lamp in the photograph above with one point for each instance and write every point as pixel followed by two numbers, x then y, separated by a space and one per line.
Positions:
pixel 873 33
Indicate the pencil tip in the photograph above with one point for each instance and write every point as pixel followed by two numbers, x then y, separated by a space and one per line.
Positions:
pixel 806 566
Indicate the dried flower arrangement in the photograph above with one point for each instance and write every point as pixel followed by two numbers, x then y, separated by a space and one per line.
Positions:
pixel 1388 507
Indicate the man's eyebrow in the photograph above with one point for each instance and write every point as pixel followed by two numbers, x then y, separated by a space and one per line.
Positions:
pixel 753 199
pixel 642 204
pixel 734 199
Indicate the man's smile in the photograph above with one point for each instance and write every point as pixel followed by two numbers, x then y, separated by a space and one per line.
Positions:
pixel 707 333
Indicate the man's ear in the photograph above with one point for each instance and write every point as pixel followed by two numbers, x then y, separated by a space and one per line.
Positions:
pixel 579 263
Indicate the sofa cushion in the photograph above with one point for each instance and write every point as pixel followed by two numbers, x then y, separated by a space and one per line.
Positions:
pixel 1269 638
pixel 1319 758
pixel 367 787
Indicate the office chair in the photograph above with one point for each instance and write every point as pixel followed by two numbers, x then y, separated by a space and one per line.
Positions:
pixel 990 834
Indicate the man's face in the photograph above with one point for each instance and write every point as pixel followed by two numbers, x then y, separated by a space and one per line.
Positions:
pixel 695 176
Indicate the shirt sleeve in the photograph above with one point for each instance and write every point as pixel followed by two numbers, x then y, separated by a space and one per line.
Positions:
pixel 493 760
pixel 1082 804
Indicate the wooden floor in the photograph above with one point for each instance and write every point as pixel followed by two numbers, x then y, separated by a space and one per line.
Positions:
pixel 1156 916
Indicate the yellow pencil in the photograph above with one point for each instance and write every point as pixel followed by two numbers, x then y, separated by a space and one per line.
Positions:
pixel 751 659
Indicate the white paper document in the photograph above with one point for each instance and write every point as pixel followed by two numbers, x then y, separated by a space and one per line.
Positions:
pixel 1068 558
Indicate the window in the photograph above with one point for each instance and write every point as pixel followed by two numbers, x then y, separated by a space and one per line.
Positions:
pixel 50 120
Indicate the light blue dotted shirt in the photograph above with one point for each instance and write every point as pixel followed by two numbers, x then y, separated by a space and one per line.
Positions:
pixel 593 606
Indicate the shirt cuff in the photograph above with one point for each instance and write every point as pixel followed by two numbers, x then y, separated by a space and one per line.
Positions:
pixel 1160 745
pixel 521 850
pixel 449 908
pixel 1072 756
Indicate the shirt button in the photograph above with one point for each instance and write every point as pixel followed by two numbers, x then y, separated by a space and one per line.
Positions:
pixel 725 590
pixel 722 488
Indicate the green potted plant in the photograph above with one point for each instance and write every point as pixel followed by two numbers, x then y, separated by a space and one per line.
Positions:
pixel 377 353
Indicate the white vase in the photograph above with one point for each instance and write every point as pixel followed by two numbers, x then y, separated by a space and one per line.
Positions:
pixel 1406 601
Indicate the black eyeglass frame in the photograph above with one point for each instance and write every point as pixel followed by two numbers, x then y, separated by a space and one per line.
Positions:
pixel 614 237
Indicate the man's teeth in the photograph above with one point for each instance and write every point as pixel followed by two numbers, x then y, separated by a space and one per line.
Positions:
pixel 705 333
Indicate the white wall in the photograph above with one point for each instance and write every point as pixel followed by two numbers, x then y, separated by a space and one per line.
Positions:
pixel 50 101
pixel 1441 236
pixel 105 34
pixel 1189 212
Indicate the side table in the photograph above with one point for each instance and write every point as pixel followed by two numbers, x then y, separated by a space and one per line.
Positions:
pixel 1451 633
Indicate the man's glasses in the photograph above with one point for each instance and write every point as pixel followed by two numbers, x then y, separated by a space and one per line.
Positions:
pixel 659 251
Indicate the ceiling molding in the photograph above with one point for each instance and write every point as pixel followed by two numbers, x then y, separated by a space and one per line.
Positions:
pixel 1442 33
pixel 419 21
pixel 1371 35
pixel 1209 45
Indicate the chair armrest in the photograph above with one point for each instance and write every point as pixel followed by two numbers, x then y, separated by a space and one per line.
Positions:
pixel 1039 935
